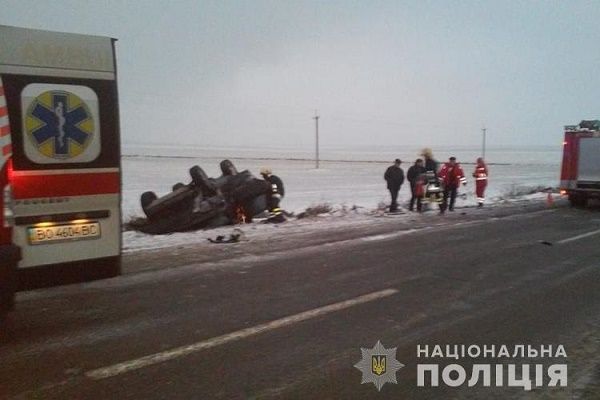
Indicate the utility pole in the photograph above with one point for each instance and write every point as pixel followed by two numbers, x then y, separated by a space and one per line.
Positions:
pixel 316 118
pixel 483 149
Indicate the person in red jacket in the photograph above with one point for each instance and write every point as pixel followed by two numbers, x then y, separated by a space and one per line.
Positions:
pixel 481 178
pixel 451 175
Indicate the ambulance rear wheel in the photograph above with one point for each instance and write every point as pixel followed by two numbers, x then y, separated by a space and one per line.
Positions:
pixel 4 327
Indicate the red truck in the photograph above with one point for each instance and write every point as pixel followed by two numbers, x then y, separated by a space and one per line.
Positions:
pixel 580 172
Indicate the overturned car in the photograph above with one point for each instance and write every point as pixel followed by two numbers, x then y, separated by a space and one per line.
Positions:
pixel 205 202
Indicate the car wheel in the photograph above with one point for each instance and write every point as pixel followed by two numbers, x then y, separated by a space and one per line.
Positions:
pixel 178 185
pixel 202 181
pixel 147 199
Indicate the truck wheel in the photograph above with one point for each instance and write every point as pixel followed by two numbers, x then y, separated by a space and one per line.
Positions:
pixel 578 200
pixel 147 199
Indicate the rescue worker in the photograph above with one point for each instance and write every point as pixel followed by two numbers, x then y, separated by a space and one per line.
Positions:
pixel 394 176
pixel 274 195
pixel 414 175
pixel 452 175
pixel 433 182
pixel 431 164
pixel 481 178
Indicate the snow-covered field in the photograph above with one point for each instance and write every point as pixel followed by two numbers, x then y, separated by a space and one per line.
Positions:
pixel 354 179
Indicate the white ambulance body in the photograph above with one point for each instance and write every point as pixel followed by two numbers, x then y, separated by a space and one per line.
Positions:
pixel 60 160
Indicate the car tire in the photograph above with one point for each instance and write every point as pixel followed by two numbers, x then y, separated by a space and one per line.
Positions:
pixel 178 185
pixel 202 181
pixel 147 199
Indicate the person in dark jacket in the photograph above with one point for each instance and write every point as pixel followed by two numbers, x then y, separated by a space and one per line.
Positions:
pixel 415 175
pixel 394 176
pixel 431 165
pixel 274 196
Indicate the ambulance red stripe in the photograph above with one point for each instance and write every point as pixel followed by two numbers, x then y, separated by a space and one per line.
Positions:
pixel 6 150
pixel 57 185
pixel 4 129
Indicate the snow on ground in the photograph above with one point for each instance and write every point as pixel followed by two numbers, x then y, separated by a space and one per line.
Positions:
pixel 343 185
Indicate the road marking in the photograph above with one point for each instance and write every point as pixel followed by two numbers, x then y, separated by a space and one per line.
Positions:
pixel 126 366
pixel 584 235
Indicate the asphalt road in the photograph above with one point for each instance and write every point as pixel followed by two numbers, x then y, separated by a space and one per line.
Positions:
pixel 290 324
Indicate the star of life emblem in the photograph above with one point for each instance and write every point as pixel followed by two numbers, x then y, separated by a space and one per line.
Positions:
pixel 61 123
pixel 378 365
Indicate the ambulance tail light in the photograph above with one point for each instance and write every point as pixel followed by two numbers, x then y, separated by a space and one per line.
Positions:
pixel 7 199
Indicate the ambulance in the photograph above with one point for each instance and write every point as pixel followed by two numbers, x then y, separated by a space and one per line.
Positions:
pixel 60 172
pixel 580 171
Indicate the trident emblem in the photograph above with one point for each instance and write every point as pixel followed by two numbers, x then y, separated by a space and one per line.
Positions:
pixel 378 364
pixel 375 367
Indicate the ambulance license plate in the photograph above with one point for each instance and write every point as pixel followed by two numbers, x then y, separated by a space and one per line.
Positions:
pixel 61 233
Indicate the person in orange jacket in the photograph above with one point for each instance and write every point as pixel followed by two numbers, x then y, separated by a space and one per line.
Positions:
pixel 451 175
pixel 481 179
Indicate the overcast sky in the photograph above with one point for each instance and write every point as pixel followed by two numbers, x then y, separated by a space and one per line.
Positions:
pixel 419 72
